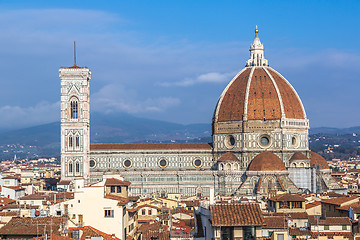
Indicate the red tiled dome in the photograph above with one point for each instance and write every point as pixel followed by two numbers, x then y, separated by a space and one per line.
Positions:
pixel 317 160
pixel 229 156
pixel 267 161
pixel 298 156
pixel 258 92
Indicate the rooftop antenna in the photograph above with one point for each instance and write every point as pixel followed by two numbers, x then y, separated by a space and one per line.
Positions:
pixel 74 53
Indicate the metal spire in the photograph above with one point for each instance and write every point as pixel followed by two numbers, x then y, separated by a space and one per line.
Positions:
pixel 74 53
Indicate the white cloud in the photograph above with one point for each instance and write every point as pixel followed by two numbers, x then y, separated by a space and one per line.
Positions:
pixel 114 98
pixel 16 116
pixel 211 77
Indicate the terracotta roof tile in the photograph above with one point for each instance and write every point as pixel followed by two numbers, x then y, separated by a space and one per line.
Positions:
pixel 275 222
pixel 121 200
pixel 5 201
pixel 298 232
pixel 64 182
pixel 298 156
pixel 229 156
pixel 330 235
pixel 355 207
pixel 340 200
pixel 299 215
pixel 74 67
pixel 266 161
pixel 149 146
pixel 31 226
pixel 292 105
pixel 49 196
pixel 312 204
pixel 317 160
pixel 287 197
pixel 263 101
pixel 88 232
pixel 236 214
pixel 116 182
pixel 330 221
pixel 231 107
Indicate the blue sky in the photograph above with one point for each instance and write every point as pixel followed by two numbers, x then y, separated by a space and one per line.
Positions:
pixel 170 60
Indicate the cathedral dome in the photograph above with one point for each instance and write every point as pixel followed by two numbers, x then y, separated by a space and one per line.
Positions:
pixel 318 160
pixel 258 92
pixel 267 161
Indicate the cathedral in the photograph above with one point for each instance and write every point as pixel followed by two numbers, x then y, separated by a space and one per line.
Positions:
pixel 259 142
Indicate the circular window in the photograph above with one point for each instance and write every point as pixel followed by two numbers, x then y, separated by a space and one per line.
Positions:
pixel 163 163
pixel 264 141
pixel 92 163
pixel 127 163
pixel 197 163
pixel 230 141
pixel 295 141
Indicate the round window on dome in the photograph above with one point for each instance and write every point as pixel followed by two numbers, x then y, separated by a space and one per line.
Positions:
pixel 197 163
pixel 92 163
pixel 295 141
pixel 264 141
pixel 163 163
pixel 127 163
pixel 230 141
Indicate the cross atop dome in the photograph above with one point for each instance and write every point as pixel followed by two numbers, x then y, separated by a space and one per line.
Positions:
pixel 257 52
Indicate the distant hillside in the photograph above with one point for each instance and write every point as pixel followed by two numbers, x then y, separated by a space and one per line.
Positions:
pixel 44 140
pixel 328 130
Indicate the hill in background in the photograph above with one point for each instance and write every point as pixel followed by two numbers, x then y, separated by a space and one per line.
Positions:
pixel 44 140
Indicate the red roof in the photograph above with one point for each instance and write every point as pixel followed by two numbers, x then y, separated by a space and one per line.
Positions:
pixel 275 222
pixel 121 200
pixel 330 221
pixel 263 98
pixel 339 200
pixel 236 214
pixel 229 156
pixel 64 182
pixel 5 201
pixel 312 204
pixel 88 232
pixel 49 196
pixel 74 66
pixel 116 182
pixel 266 161
pixel 32 226
pixel 317 160
pixel 287 197
pixel 298 156
pixel 149 146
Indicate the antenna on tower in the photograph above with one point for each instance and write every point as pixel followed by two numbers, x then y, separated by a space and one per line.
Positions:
pixel 74 53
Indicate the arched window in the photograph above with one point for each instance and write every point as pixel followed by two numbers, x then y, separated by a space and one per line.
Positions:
pixel 74 108
pixel 77 166
pixel 70 141
pixel 70 167
pixel 77 141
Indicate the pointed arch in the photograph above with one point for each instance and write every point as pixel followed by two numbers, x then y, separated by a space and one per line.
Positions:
pixel 77 141
pixel 74 107
pixel 77 167
pixel 70 168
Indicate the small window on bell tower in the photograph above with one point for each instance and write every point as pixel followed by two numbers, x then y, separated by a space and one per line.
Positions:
pixel 74 109
pixel 77 141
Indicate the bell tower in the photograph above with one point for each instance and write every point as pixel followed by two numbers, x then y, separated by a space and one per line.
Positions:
pixel 75 122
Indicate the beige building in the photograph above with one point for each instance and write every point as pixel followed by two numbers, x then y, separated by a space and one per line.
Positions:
pixel 101 205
